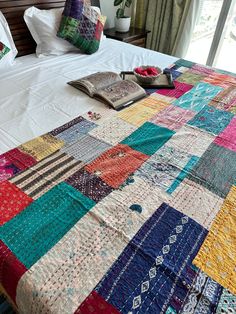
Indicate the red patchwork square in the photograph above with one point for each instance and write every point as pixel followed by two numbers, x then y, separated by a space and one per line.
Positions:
pixel 12 201
pixel 115 165
pixel 95 304
pixel 177 92
pixel 9 262
pixel 13 162
pixel 20 159
pixel 98 31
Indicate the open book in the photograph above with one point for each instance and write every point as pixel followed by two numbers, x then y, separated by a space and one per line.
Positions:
pixel 108 87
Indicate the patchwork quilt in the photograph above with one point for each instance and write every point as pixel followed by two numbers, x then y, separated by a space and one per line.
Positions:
pixel 127 212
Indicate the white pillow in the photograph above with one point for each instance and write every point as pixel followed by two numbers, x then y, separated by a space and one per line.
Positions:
pixel 6 38
pixel 43 26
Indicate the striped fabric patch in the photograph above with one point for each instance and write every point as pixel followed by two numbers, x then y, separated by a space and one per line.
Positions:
pixel 46 174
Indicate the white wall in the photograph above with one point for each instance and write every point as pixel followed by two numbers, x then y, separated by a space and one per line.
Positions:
pixel 109 11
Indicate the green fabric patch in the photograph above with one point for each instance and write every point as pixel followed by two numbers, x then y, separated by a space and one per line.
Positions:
pixel 68 28
pixel 148 138
pixel 184 63
pixel 190 78
pixel 43 223
pixel 3 50
pixel 82 26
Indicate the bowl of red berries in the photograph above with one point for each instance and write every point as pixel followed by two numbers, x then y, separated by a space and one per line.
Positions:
pixel 146 74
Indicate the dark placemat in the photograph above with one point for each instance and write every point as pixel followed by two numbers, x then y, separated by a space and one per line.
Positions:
pixel 163 81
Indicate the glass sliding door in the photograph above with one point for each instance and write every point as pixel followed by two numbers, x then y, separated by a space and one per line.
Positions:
pixel 225 57
pixel 213 40
pixel 204 30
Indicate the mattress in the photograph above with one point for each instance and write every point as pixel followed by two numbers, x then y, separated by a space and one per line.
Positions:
pixel 35 97
pixel 124 212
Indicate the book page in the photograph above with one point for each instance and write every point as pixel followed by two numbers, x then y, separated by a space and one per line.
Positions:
pixel 121 93
pixel 91 83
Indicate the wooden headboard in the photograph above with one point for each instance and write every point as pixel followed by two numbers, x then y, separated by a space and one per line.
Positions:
pixel 13 11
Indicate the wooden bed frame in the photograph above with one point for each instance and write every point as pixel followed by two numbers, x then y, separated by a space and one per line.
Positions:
pixel 13 11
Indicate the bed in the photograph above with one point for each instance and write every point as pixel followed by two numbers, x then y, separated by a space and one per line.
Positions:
pixel 115 212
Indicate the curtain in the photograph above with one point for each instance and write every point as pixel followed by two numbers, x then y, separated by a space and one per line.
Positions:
pixel 139 13
pixel 171 23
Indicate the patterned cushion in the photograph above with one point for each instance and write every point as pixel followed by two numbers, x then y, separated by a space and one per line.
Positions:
pixel 3 50
pixel 81 25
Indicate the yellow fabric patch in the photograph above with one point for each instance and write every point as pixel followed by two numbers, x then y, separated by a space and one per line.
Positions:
pixel 217 255
pixel 155 102
pixel 102 19
pixel 139 113
pixel 163 98
pixel 42 146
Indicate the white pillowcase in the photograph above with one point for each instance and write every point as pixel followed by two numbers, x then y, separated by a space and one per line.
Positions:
pixel 6 38
pixel 43 26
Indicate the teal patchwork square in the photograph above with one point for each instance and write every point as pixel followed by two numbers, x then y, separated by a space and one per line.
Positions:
pixel 211 119
pixel 148 138
pixel 44 222
pixel 184 63
pixel 198 97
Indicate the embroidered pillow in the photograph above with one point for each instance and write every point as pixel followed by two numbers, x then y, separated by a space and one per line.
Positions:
pixel 81 25
pixel 3 50
pixel 8 48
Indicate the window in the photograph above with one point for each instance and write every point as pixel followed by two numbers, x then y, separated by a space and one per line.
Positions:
pixel 214 37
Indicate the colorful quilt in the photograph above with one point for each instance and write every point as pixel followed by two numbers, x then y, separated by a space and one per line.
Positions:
pixel 127 212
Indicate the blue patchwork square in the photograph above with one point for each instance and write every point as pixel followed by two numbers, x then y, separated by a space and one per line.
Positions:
pixel 198 97
pixel 211 119
pixel 86 148
pixel 146 274
pixel 75 132
pixel 175 74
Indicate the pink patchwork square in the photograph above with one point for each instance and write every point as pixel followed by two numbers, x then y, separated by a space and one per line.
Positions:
pixel 178 91
pixel 227 138
pixel 173 117
pixel 201 69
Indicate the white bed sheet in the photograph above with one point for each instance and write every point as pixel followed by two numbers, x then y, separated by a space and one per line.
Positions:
pixel 34 96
